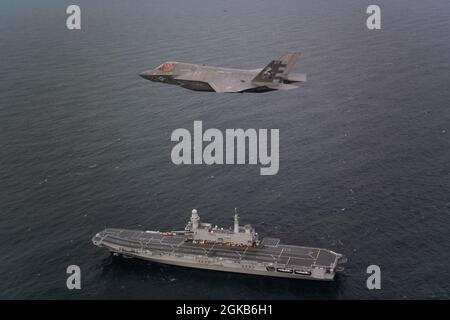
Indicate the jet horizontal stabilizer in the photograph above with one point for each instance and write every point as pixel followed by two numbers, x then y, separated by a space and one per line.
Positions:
pixel 297 77
pixel 282 86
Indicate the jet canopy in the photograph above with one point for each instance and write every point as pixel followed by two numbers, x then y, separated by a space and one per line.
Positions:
pixel 166 67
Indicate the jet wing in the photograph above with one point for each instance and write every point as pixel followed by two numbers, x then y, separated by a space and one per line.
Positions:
pixel 223 80
pixel 282 86
pixel 222 87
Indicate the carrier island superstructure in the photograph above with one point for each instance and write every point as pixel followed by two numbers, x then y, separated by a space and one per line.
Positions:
pixel 237 249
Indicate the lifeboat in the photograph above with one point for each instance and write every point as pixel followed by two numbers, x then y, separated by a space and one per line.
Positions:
pixel 303 272
pixel 284 270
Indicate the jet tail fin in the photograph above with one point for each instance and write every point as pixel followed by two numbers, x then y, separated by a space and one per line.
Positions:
pixel 289 59
pixel 277 70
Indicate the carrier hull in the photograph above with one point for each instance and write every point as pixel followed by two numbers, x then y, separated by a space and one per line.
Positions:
pixel 268 258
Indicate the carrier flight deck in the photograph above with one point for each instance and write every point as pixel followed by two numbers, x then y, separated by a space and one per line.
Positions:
pixel 203 246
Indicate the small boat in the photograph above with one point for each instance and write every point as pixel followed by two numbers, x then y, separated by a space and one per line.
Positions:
pixel 284 270
pixel 303 272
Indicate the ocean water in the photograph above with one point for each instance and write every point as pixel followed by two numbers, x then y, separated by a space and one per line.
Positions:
pixel 85 143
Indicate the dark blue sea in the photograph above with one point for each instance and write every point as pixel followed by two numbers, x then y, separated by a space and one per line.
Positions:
pixel 85 143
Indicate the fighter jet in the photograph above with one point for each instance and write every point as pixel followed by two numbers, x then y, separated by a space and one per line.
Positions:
pixel 275 76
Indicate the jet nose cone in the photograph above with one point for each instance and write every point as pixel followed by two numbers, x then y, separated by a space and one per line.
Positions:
pixel 146 74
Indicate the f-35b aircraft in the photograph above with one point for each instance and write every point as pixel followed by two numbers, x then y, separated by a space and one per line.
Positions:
pixel 275 76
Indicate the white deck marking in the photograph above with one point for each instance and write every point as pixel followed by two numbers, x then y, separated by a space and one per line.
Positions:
pixel 211 249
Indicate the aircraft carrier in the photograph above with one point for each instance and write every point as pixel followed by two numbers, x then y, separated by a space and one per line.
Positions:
pixel 237 249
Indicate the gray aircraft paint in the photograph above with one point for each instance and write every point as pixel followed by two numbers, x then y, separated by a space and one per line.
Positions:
pixel 275 76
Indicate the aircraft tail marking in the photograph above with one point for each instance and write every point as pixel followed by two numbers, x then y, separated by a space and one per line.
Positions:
pixel 277 70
